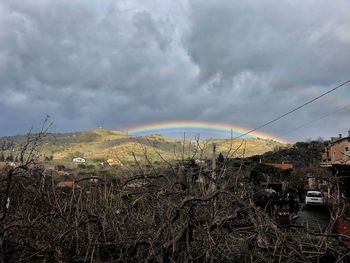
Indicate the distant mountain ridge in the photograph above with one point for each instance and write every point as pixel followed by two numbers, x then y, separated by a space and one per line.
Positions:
pixel 100 144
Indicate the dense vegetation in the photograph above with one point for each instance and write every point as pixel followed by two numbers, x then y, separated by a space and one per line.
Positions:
pixel 176 212
pixel 301 154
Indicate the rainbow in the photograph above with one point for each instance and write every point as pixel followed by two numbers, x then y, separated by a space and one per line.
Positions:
pixel 184 126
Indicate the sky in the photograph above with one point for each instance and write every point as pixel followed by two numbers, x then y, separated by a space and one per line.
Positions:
pixel 120 64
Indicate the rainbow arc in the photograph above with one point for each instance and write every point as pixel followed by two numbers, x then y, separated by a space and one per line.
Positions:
pixel 183 126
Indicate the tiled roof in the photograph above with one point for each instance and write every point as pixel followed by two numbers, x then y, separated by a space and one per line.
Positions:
pixel 283 166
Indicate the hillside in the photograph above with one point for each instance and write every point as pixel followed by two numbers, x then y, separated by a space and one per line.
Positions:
pixel 97 145
pixel 301 154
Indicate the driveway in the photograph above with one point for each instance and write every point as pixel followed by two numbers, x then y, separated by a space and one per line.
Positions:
pixel 315 217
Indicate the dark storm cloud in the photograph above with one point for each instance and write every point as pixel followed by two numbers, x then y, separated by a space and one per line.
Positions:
pixel 295 43
pixel 123 63
pixel 83 63
pixel 262 57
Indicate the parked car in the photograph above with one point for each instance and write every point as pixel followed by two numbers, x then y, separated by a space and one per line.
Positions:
pixel 314 198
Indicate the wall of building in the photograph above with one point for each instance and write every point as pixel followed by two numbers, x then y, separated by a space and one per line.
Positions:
pixel 338 151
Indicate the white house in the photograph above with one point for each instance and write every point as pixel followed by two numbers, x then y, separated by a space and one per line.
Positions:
pixel 79 160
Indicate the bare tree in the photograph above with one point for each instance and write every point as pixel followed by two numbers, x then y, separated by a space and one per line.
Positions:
pixel 152 215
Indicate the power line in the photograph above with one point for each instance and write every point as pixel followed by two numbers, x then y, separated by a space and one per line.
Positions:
pixel 314 120
pixel 293 110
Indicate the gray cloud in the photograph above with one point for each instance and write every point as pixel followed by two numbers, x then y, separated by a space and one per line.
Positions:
pixel 297 44
pixel 123 63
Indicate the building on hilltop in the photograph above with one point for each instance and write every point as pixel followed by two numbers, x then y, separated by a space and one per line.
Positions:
pixel 337 152
pixel 79 160
pixel 112 162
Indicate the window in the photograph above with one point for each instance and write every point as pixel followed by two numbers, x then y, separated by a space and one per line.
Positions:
pixel 315 194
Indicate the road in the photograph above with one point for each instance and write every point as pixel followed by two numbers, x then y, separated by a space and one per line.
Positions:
pixel 316 218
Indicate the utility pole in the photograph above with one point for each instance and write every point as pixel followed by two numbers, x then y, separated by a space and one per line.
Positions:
pixel 214 181
pixel 213 175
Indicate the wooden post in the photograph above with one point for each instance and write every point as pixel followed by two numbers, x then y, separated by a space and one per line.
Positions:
pixel 214 180
pixel 213 176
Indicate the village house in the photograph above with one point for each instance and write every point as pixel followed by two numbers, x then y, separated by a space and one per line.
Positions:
pixel 137 185
pixel 112 162
pixel 79 160
pixel 336 156
pixel 68 184
pixel 337 152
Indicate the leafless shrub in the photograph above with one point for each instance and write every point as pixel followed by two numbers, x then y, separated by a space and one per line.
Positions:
pixel 168 217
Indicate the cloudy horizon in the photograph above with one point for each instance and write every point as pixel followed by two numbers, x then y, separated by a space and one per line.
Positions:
pixel 120 64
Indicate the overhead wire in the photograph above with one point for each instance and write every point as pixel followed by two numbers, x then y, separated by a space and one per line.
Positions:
pixel 312 121
pixel 293 110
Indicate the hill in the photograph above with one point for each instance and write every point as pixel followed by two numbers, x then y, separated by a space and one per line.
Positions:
pixel 301 154
pixel 99 144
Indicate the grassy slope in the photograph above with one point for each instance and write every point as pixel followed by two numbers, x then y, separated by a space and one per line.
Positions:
pixel 106 144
